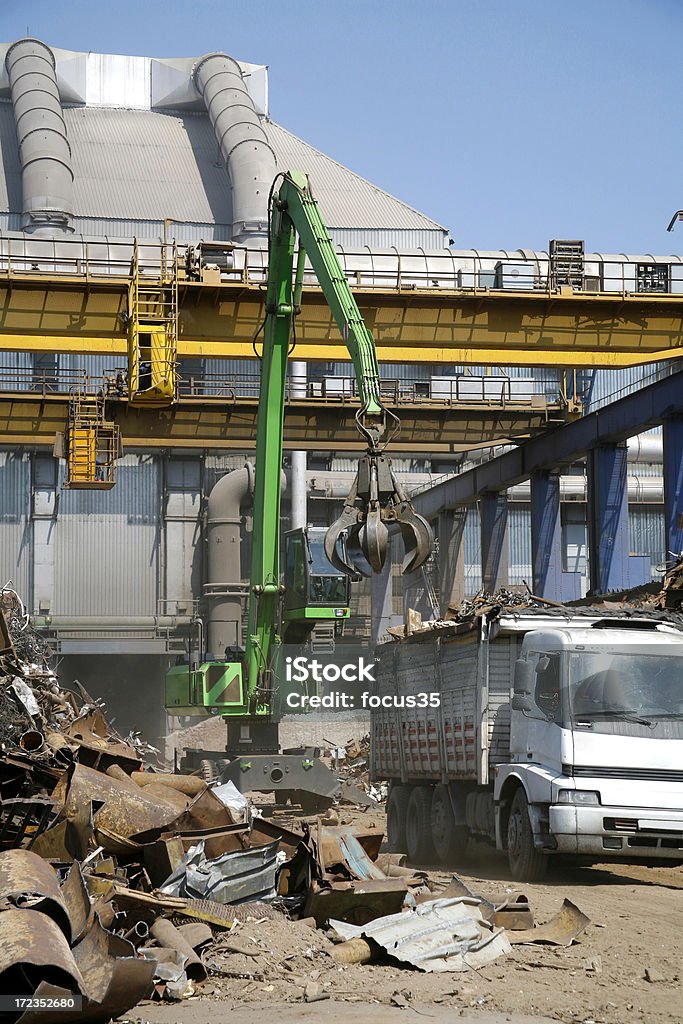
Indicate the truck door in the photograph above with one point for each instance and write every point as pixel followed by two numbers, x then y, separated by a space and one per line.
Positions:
pixel 537 733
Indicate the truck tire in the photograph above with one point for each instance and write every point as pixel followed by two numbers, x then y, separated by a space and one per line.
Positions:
pixel 527 864
pixel 419 846
pixel 397 813
pixel 449 840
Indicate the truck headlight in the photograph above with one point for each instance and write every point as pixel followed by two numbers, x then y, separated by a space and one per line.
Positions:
pixel 579 796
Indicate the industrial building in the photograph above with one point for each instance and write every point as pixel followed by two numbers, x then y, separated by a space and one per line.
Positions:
pixel 341 566
pixel 114 162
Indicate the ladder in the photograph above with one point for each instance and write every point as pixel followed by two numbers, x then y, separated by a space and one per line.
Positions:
pixel 153 330
pixel 92 444
pixel 323 638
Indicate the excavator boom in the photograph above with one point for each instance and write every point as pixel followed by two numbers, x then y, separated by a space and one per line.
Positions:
pixel 376 505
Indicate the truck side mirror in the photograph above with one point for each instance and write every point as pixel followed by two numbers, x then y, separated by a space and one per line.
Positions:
pixel 524 678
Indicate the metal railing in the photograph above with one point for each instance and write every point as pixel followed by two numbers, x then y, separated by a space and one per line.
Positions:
pixel 47 382
pixel 491 390
pixel 457 390
pixel 395 271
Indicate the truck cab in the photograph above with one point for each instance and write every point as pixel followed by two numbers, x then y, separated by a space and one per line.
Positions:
pixel 596 744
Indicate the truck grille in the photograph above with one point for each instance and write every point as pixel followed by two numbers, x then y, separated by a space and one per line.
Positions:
pixel 642 774
pixel 620 824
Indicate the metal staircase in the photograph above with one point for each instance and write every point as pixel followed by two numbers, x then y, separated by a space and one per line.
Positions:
pixel 92 445
pixel 153 330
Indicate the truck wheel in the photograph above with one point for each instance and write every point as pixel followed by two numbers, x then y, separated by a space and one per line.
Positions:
pixel 419 846
pixel 527 864
pixel 397 812
pixel 449 839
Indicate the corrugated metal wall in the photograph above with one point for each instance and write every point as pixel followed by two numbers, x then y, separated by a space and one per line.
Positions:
pixel 183 231
pixel 519 540
pixel 472 551
pixel 603 386
pixel 356 239
pixel 15 370
pixel 646 532
pixel 15 535
pixel 107 545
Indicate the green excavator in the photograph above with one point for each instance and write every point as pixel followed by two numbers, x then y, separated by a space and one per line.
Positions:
pixel 318 565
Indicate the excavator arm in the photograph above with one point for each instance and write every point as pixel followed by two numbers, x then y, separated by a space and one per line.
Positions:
pixel 376 503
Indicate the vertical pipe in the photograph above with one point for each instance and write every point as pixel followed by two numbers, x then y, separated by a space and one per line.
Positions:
pixel 224 590
pixel 44 151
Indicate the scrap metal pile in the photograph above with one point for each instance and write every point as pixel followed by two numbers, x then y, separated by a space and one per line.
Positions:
pixel 351 763
pixel 662 602
pixel 120 881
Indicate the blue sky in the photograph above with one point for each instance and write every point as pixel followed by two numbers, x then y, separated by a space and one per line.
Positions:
pixel 510 123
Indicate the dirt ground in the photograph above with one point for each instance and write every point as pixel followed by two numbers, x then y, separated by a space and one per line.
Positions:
pixel 286 973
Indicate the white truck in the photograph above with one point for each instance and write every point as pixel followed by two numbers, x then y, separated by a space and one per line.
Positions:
pixel 556 733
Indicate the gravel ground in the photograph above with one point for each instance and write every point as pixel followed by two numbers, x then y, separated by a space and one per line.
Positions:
pixel 635 913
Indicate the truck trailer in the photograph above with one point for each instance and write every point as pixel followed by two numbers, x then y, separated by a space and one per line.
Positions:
pixel 547 732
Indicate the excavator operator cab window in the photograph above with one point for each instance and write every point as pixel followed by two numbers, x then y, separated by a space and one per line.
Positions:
pixel 309 578
pixel 295 568
pixel 326 586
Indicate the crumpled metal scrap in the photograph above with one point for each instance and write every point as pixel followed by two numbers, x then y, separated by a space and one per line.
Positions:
pixel 52 943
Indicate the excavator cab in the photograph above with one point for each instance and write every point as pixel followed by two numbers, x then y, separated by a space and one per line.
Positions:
pixel 314 589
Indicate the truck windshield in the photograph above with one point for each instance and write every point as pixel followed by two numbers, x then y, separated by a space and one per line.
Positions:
pixel 625 685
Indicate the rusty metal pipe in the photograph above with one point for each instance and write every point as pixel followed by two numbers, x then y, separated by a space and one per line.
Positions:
pixel 138 933
pixel 115 771
pixel 167 935
pixel 191 785
pixel 32 741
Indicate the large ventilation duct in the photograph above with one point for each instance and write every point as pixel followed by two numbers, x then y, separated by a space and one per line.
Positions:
pixel 224 589
pixel 249 159
pixel 44 151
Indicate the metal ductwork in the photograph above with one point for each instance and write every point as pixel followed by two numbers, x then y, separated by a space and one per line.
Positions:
pixel 44 151
pixel 224 589
pixel 249 159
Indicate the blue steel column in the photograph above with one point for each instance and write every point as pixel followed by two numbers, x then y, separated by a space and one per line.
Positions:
pixel 381 599
pixel 451 557
pixel 493 509
pixel 608 537
pixel 546 535
pixel 672 431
